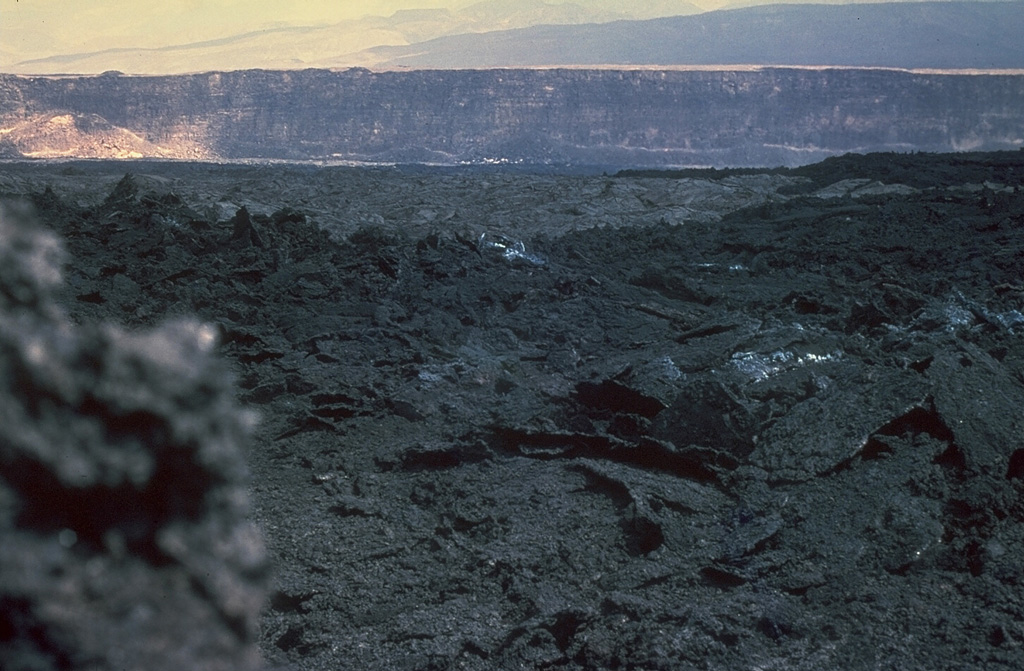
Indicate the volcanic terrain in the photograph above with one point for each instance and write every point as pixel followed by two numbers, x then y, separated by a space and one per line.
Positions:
pixel 528 419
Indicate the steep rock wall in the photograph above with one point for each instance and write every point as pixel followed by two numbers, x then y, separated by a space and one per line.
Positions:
pixel 765 116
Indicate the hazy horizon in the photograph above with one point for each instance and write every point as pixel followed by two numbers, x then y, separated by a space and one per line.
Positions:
pixel 39 29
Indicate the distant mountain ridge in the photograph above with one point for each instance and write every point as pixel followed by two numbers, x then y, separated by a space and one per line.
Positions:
pixel 940 35
pixel 339 45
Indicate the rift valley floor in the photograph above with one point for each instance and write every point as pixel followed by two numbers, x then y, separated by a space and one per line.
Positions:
pixel 525 420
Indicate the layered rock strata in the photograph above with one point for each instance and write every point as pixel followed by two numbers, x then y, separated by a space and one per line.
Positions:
pixel 765 117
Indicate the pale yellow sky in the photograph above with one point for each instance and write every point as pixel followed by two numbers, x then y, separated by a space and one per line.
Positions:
pixel 40 28
pixel 37 27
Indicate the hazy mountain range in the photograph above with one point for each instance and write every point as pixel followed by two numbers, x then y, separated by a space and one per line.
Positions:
pixel 533 33
pixel 341 44
pixel 907 35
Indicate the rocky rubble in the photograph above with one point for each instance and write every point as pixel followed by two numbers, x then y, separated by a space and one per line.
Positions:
pixel 785 435
pixel 57 135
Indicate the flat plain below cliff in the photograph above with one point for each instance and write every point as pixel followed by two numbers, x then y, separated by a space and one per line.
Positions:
pixel 703 419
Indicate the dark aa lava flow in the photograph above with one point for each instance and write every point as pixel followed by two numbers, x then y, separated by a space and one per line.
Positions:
pixel 764 420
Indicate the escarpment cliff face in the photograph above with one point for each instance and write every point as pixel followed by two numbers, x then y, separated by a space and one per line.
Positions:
pixel 769 116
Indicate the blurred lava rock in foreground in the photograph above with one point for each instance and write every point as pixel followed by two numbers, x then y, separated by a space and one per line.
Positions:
pixel 123 535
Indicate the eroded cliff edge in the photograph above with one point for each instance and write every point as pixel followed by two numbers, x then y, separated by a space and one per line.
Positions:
pixel 754 117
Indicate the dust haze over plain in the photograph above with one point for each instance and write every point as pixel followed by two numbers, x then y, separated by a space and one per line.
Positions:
pixel 50 36
pixel 44 28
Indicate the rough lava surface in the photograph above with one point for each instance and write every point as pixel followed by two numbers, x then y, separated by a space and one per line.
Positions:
pixel 706 420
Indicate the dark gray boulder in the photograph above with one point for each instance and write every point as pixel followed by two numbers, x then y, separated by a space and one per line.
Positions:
pixel 124 542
